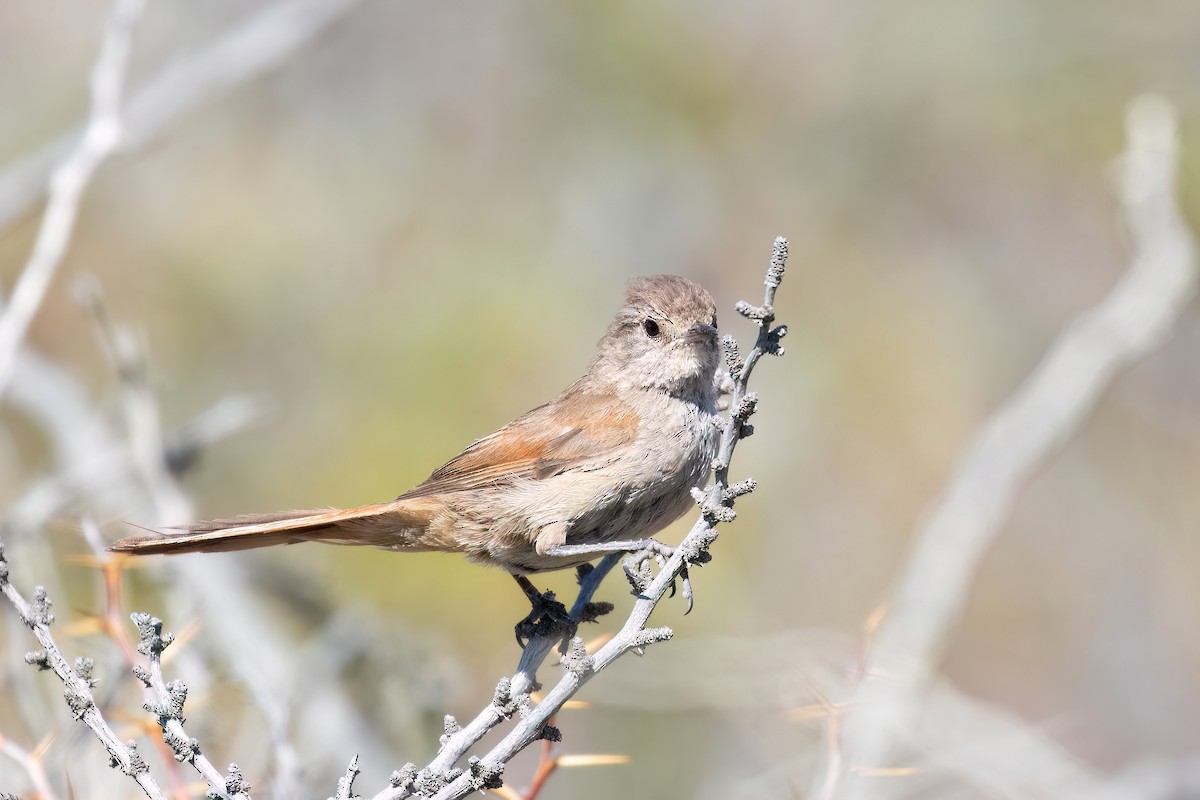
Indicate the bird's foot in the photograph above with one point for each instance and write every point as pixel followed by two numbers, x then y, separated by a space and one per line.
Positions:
pixel 547 616
pixel 637 569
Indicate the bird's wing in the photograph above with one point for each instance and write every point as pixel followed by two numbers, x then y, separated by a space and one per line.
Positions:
pixel 575 430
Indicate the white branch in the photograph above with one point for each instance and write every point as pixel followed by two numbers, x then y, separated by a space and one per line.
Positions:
pixel 1133 320
pixel 77 682
pixel 67 184
pixel 166 701
pixel 252 48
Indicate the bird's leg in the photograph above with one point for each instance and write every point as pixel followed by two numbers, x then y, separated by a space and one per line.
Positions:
pixel 640 550
pixel 547 617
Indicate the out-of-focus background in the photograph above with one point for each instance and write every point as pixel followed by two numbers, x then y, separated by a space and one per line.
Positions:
pixel 416 227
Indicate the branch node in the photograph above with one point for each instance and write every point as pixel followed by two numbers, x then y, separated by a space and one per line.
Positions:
pixel 755 314
pixel 649 636
pixel 503 700
pixel 235 782
pixel 428 783
pixel 78 700
pixel 779 256
pixel 142 674
pixel 772 347
pixel 715 513
pixel 39 609
pixel 152 640
pixel 83 670
pixel 733 359
pixel 39 659
pixel 185 748
pixel 403 777
pixel 593 610
pixel 450 727
pixel 485 775
pixel 738 489
pixel 176 698
pixel 746 407
pixel 577 660
pixel 137 764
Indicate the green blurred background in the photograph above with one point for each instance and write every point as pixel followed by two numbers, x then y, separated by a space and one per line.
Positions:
pixel 417 228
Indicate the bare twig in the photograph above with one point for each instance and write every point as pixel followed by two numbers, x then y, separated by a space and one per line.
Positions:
pixel 441 779
pixel 251 49
pixel 166 702
pixel 345 786
pixel 1134 319
pixel 100 137
pixel 77 680
pixel 92 461
pixel 127 353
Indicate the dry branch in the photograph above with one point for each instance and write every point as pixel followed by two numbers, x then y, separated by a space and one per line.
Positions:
pixel 100 137
pixel 252 48
pixel 1133 320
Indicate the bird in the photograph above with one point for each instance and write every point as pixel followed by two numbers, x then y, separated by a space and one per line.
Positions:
pixel 600 468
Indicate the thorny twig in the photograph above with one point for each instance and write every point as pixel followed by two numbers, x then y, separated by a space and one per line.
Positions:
pixel 442 780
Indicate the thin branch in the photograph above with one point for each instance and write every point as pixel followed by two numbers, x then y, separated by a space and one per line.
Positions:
pixel 67 184
pixel 345 787
pixel 77 680
pixel 252 48
pixel 166 702
pixel 1133 320
pixel 127 353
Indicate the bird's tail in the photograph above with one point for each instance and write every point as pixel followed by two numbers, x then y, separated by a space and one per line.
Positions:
pixel 395 525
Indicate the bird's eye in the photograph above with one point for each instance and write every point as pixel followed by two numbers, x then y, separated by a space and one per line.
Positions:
pixel 650 327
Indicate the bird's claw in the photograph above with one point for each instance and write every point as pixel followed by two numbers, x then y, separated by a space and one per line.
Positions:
pixel 547 617
pixel 688 597
pixel 636 566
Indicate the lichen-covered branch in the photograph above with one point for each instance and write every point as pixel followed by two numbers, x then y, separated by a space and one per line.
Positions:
pixel 77 681
pixel 166 703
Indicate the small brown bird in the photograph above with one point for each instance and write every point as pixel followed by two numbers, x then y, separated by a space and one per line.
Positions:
pixel 598 469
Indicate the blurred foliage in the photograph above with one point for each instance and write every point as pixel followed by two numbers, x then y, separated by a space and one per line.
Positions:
pixel 417 230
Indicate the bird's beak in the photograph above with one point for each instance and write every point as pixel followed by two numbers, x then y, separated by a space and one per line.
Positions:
pixel 700 332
